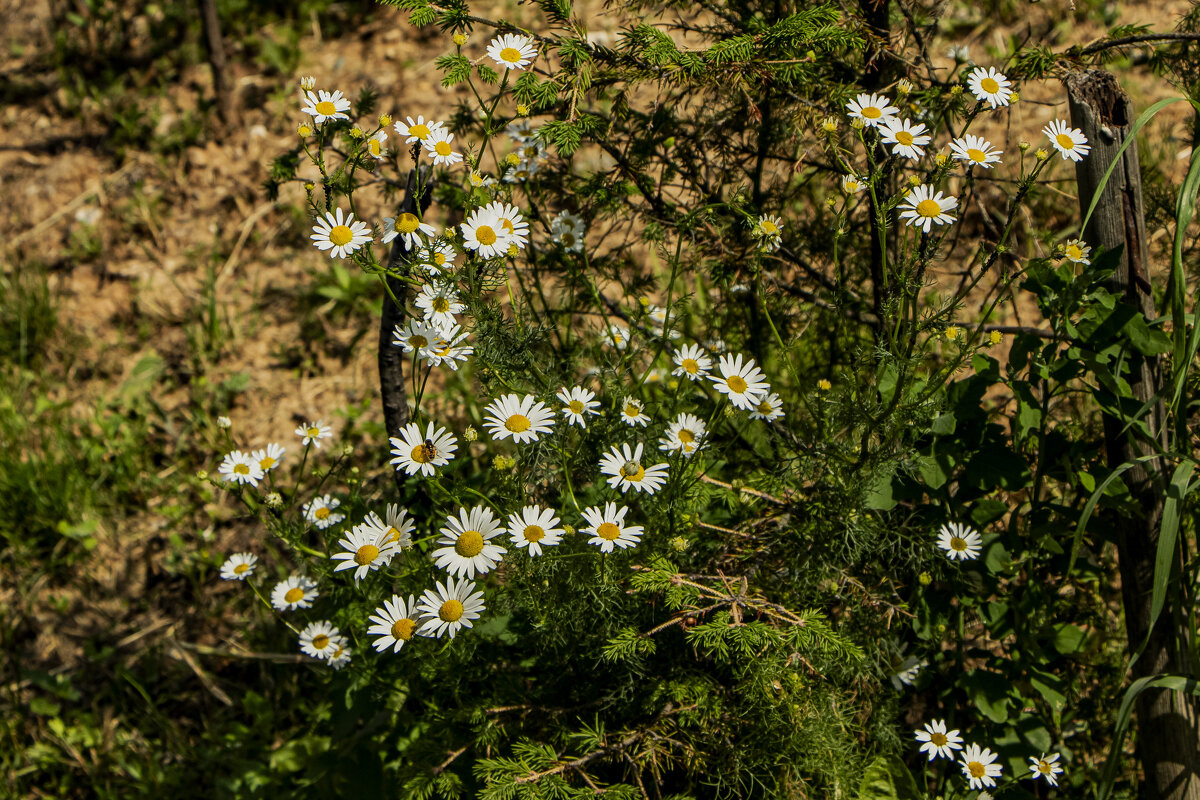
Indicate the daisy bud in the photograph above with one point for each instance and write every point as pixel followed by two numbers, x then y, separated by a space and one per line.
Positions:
pixel 512 159
pixel 459 39
pixel 824 385
pixel 672 384
pixel 830 125
pixel 995 337
pixel 914 180
pixel 1023 146
pixel 224 422
pixel 568 529
pixel 522 110
pixel 904 87
pixel 940 159
pixel 857 124
pixel 385 120
pixel 1014 97
pixel 308 187
pixel 1041 154
pixel 470 434
pixel 831 201
pixel 952 333
pixel 308 83
pixel 274 500
pixel 356 133
pixel 680 544
pixel 347 450
pixel 304 130
pixel 513 251
pixel 956 91
pixel 925 578
pixel 354 471
pixel 202 475
pixel 669 142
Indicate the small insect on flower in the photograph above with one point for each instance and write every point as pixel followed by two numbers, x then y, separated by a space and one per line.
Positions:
pixel 295 591
pixel 512 51
pixel 608 529
pixel 906 139
pixel 320 511
pixel 534 528
pixel 423 452
pixel 975 150
pixel 466 543
pixel 363 550
pixel 626 470
pixel 269 457
pixel 1045 766
pixel 313 432
pixel 1077 252
pixel 632 414
pixel 977 766
pixel 521 418
pixel 770 408
pixel 923 208
pixel 484 233
pixel 325 106
pixel 578 403
pixel 320 640
pixel 872 109
pixel 685 434
pixel 852 184
pixel 438 145
pixel 989 86
pixel 240 467
pixel 743 383
pixel 340 234
pixel 959 541
pixel 449 607
pixel 238 566
pixel 567 231
pixel 417 131
pixel 408 227
pixel 937 741
pixel 1069 142
pixel 395 622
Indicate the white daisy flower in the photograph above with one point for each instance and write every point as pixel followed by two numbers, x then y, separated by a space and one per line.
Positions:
pixel 686 434
pixel 937 741
pixel 923 208
pixel 452 606
pixel 269 457
pixel 294 592
pixel 484 233
pixel 512 51
pixel 657 315
pixel 375 145
pixel 522 172
pixel 531 151
pixel 977 766
pixel 769 408
pixel 320 639
pixel 479 180
pixel 567 231
pixel 626 470
pixel 1077 252
pixel 1070 142
pixel 438 145
pixel 906 139
pixel 418 335
pixel 692 362
pixel 320 511
pixel 224 422
pixel 407 227
pixel 577 404
pixel 363 550
pixel 768 227
pixel 618 335
pixel 241 468
pixel 466 540
pixel 1046 766
pixel 340 234
pixel 397 530
pixel 959 541
pixel 852 184
pixel 631 413
pixel 417 131
pixel 975 150
pixel 454 349
pixel 436 257
pixel 989 86
pixel 744 384
pixel 535 527
pixel 439 303
pixel 522 418
pixel 608 529
pixel 340 656
pixel 238 566
pixel 511 221
pixel 872 109
pixel 395 623
pixel 520 130
pixel 307 84
pixel 906 674
pixel 416 452
pixel 325 105
pixel 313 432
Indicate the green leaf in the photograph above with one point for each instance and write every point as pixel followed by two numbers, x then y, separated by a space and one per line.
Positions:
pixel 887 778
pixel 1069 639
pixel 990 692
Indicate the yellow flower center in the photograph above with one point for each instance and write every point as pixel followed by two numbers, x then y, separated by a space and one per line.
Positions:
pixel 575 406
pixel 763 408
pixel 507 224
pixel 313 432
pixel 533 533
pixel 975 154
pixel 393 536
pixel 904 137
pixel 687 436
pixel 241 469
pixel 958 544
pixel 485 235
pixel 929 208
pixel 691 366
pixel 420 455
pixel 419 131
pixel 403 629
pixel 418 341
pixel 266 462
pixel 1074 252
pixel 451 611
pixel 469 544
pixel 320 642
pixel 633 411
pixel 341 235
pixel 326 109
pixel 851 186
pixel 375 147
pixel 442 149
pixel 294 595
pixel 769 227
pixel 568 239
pixel 439 259
pixel 407 223
pixel 441 305
pixel 1065 142
pixel 366 554
pixel 510 55
pixel 977 769
pixel 939 739
pixel 608 531
pixel 322 512
pixel 871 112
pixel 736 383
pixel 517 423
pixel 989 85
pixel 240 568
pixel 1044 768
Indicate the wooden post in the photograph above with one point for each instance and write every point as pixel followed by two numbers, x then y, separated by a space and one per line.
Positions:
pixel 226 109
pixel 1168 733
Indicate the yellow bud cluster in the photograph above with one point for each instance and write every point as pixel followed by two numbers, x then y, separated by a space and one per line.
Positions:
pixel 459 39
pixel 824 385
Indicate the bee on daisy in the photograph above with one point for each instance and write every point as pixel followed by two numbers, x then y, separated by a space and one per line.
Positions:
pixel 521 418
pixel 608 529
pixel 339 233
pixel 394 623
pixel 448 608
pixel 533 528
pixel 415 451
pixel 466 543
pixel 923 208
pixel 578 404
pixel 512 51
pixel 626 470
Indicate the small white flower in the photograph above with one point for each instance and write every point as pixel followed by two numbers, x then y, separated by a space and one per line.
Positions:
pixel 511 221
pixel 320 511
pixel 567 231
pixel 872 109
pixel 452 606
pixel 439 145
pixel 852 184
pixel 453 349
pixel 1046 766
pixel 626 470
pixel 484 233
pixel 439 303
pixel 1069 142
pixel 534 528
pixel 769 408
pixel 959 541
pixel 692 362
pixel 340 656
pixel 990 86
pixel 618 336
pixel 395 623
pixel 375 145
pixel 744 384
pixel 977 766
pixel 417 131
pixel 407 227
pixel 238 566
pixel 436 258
pixel 512 51
pixel 241 468
pixel 906 139
pixel 686 434
pixel 937 741
pixel 1077 252
pixel 363 550
pixel 313 432
pixel 416 452
pixel 577 404
pixel 340 234
pixel 423 337
pixel 325 105
pixel 307 84
pixel 269 457
pixel 224 422
pixel 975 150
pixel 466 543
pixel 522 418
pixel 320 640
pixel 608 529
pixel 294 592
pixel 396 530
pixel 631 413
pixel 923 208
